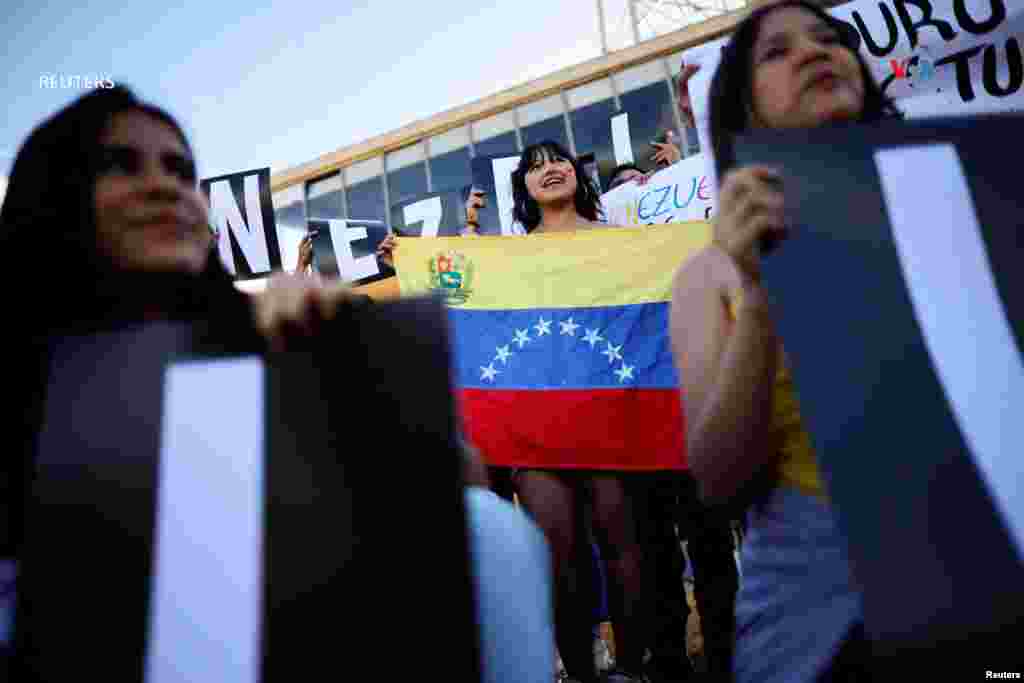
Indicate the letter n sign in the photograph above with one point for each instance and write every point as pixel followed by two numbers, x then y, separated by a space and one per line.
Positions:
pixel 242 211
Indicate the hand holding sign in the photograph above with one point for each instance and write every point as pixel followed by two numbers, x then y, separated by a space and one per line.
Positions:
pixel 305 255
pixel 294 308
pixel 477 200
pixel 668 152
pixel 751 214
pixel 683 92
pixel 386 250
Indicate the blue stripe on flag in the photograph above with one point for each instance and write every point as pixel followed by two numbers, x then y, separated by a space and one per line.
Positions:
pixel 574 348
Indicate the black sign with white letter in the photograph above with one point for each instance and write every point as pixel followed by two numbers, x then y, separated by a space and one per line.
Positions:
pixel 205 516
pixel 900 299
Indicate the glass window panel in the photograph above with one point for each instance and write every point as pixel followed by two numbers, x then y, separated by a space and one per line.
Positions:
pixel 590 93
pixel 592 129
pixel 450 141
pixel 493 126
pixel 290 219
pixel 405 157
pixel 543 120
pixel 363 170
pixel 675 62
pixel 650 116
pixel 551 129
pixel 323 197
pixel 365 190
pixel 542 109
pixel 495 135
pixel 450 170
pixel 639 76
pixel 407 173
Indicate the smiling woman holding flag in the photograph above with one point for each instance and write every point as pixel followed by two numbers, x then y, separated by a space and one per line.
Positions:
pixel 564 372
pixel 552 195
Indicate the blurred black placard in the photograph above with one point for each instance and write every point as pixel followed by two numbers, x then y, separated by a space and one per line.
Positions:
pixel 916 488
pixel 92 581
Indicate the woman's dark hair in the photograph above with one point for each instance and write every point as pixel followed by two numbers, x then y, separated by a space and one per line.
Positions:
pixel 50 193
pixel 526 210
pixel 622 168
pixel 731 93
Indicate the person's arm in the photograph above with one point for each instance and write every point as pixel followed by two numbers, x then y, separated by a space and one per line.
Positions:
pixel 729 369
pixel 728 374
pixel 305 256
pixel 386 250
pixel 476 201
pixel 667 152
pixel 474 471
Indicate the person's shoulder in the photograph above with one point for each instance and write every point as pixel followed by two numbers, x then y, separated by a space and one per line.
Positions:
pixel 708 268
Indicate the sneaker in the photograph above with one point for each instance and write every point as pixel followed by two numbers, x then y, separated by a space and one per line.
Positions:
pixel 617 675
pixel 602 657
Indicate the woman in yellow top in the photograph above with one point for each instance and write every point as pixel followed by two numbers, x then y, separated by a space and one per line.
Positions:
pixel 799 611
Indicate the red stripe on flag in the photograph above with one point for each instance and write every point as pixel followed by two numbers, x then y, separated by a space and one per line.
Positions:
pixel 592 429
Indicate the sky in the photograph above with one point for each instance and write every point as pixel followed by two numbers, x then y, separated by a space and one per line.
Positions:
pixel 276 84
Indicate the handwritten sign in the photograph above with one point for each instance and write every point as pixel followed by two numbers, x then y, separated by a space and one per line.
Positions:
pixel 932 57
pixel 681 192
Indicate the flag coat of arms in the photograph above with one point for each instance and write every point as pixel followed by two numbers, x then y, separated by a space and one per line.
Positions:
pixel 562 356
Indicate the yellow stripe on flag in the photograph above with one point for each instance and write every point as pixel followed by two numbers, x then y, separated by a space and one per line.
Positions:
pixel 599 267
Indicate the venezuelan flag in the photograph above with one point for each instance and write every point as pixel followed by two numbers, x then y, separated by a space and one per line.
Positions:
pixel 561 344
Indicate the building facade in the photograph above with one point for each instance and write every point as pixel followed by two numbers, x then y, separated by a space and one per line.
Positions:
pixel 630 87
pixel 612 107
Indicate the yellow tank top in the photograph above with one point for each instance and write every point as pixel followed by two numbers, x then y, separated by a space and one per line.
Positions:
pixel 797 467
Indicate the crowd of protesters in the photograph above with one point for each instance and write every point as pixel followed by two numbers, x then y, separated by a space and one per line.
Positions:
pixel 599 546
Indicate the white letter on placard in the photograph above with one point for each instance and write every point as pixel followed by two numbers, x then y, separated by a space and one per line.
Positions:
pixel 503 168
pixel 427 210
pixel 622 141
pixel 965 329
pixel 206 611
pixel 250 237
pixel 349 267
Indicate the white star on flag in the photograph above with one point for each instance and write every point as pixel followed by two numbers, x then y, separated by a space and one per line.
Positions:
pixel 593 337
pixel 488 373
pixel 522 337
pixel 569 328
pixel 503 354
pixel 613 353
pixel 543 327
pixel 625 372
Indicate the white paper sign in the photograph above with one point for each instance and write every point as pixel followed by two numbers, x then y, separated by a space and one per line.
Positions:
pixel 933 57
pixel 681 192
pixel 206 615
pixel 503 168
